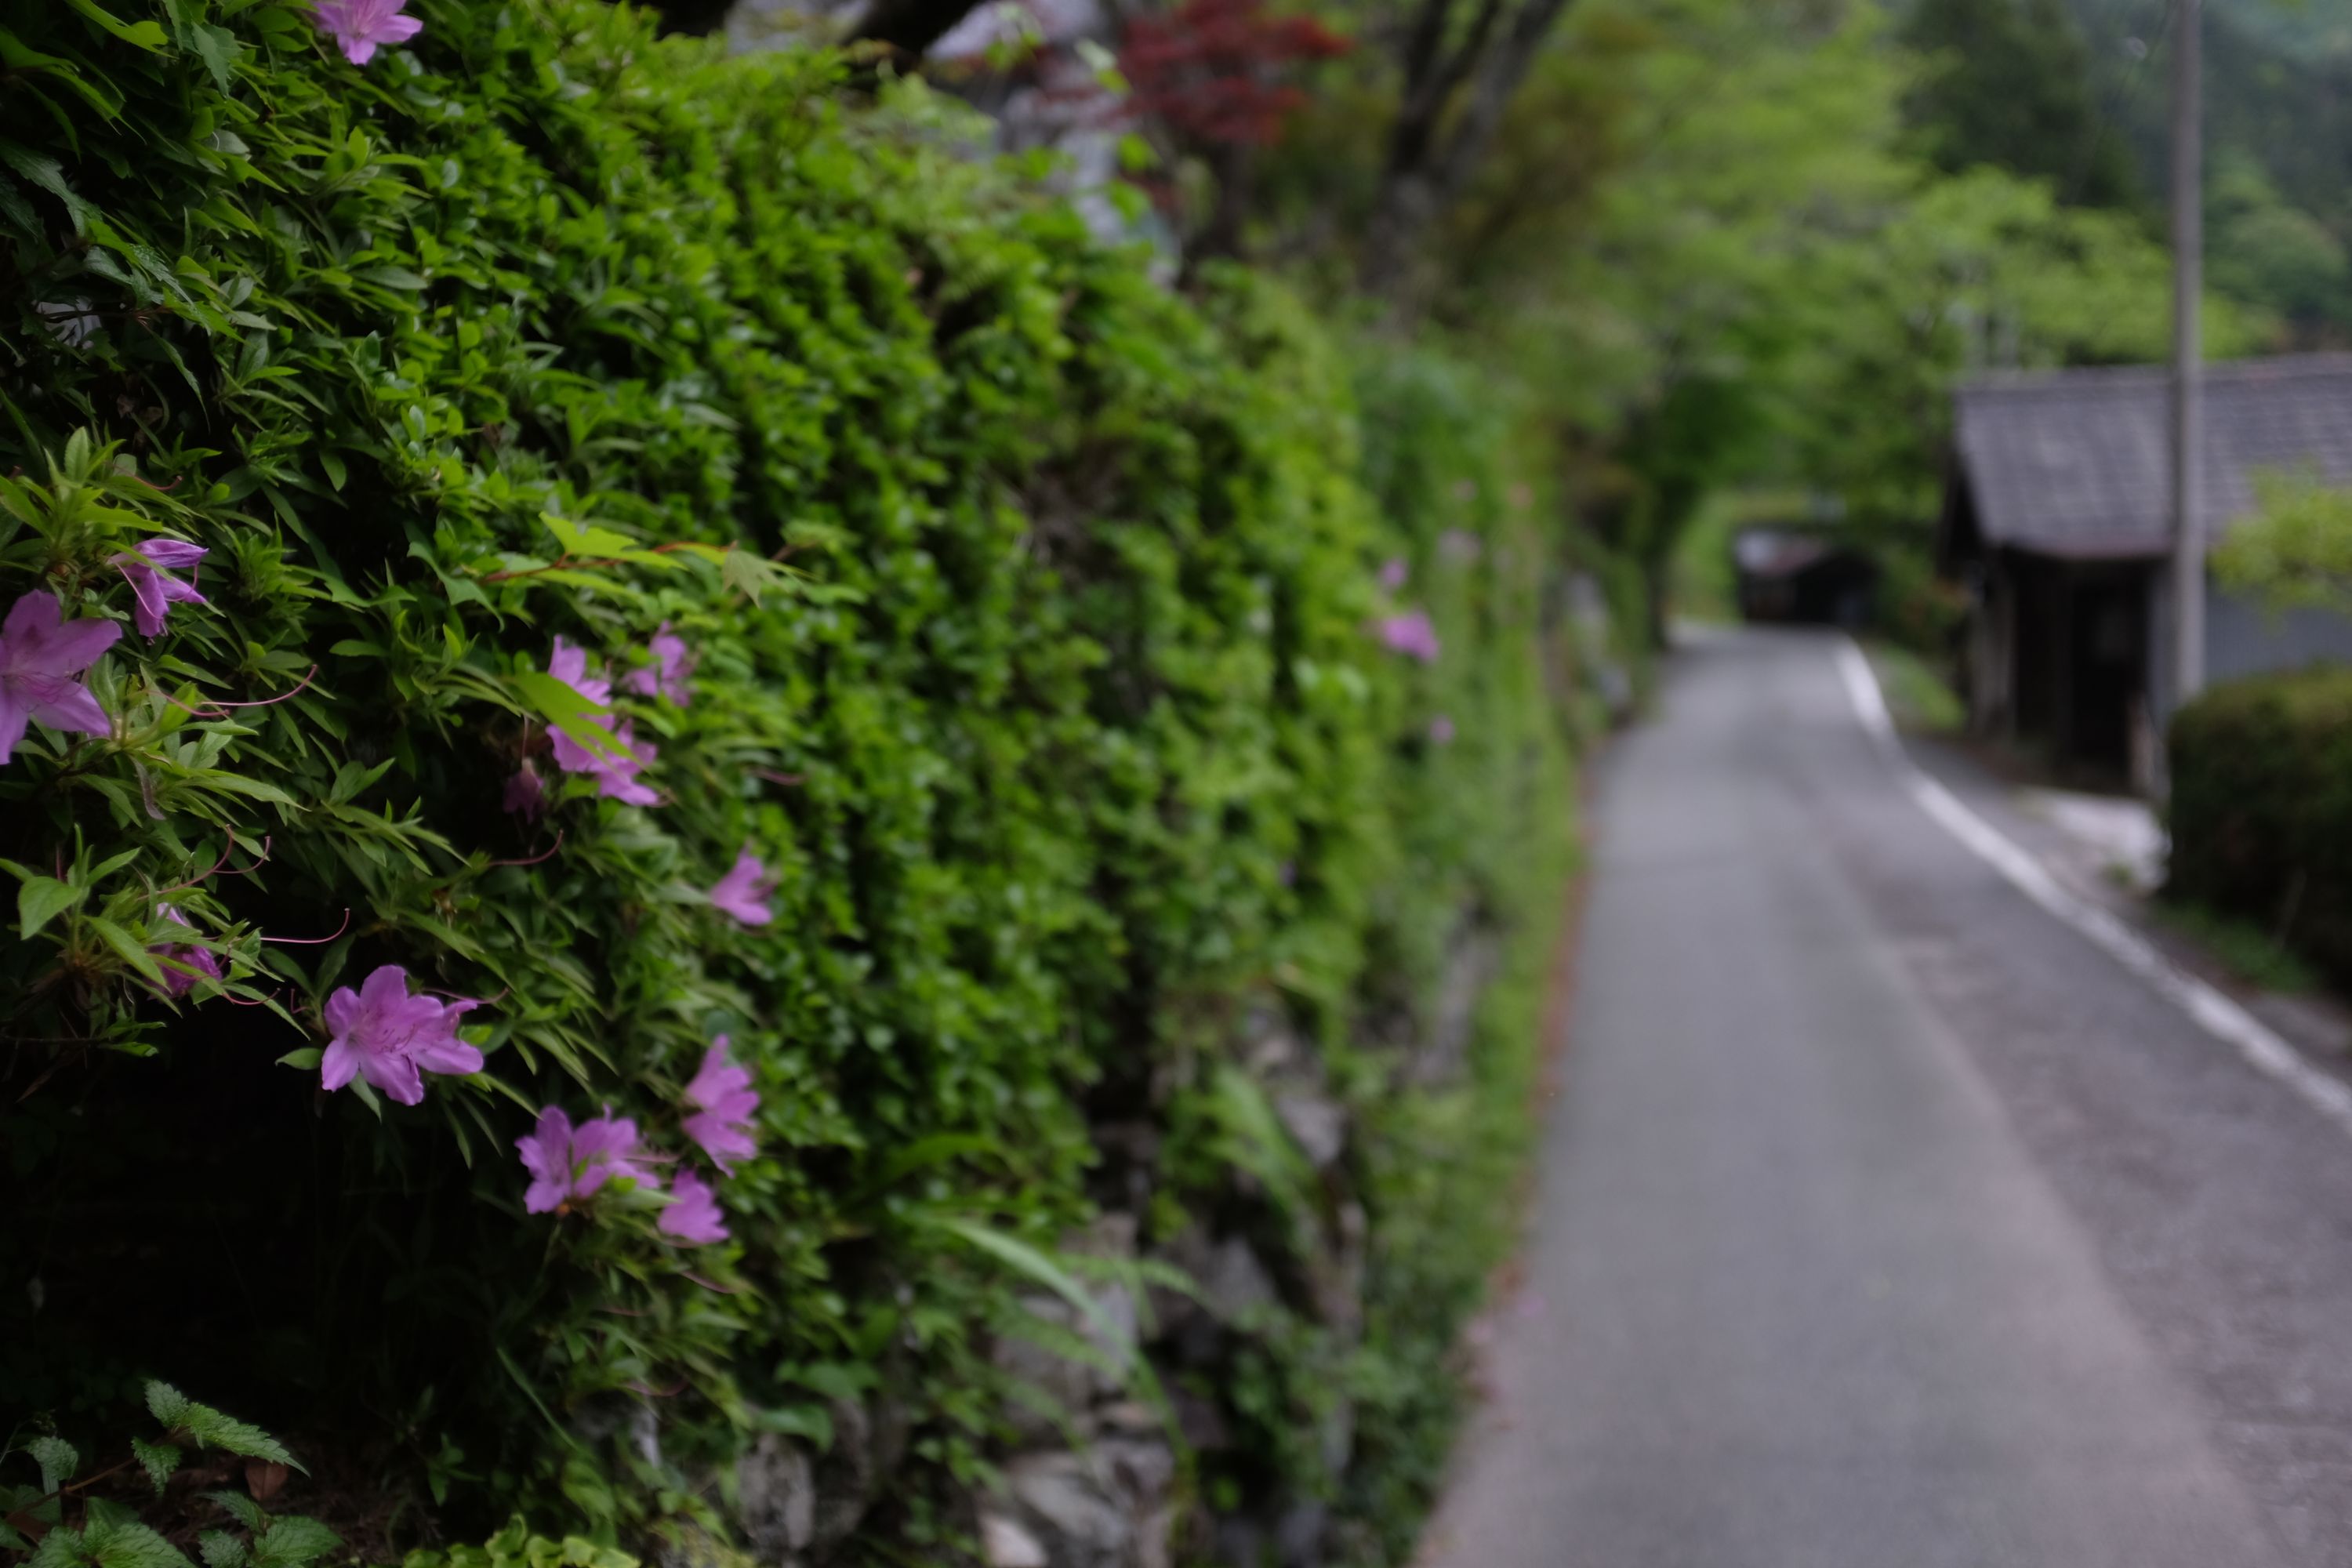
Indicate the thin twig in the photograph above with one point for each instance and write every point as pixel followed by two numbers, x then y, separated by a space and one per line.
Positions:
pixel 313 941
pixel 536 858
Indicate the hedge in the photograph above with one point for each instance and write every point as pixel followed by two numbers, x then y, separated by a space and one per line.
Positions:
pixel 2261 811
pixel 655 700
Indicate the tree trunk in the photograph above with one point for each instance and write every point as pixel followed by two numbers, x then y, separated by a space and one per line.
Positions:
pixel 1429 164
pixel 908 26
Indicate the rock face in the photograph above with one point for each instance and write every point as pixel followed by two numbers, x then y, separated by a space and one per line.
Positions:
pixel 1105 1505
pixel 1091 1477
pixel 777 1485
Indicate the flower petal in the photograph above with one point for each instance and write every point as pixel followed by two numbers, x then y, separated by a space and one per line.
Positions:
pixel 15 714
pixel 173 554
pixel 394 1074
pixel 31 618
pixel 73 710
pixel 449 1055
pixel 340 1064
pixel 75 646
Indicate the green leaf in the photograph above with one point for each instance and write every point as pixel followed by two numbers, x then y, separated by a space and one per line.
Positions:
pixel 811 1423
pixel 241 1507
pixel 57 1458
pixel 303 1057
pixel 167 1404
pixel 42 900
pixel 218 48
pixel 60 1547
pixel 115 1539
pixel 158 1460
pixel 127 948
pixel 1027 1259
pixel 148 35
pixel 586 538
pixel 292 1540
pixel 219 1549
pixel 569 711
pixel 212 1429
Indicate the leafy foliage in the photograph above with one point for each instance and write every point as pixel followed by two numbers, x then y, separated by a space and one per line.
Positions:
pixel 112 1533
pixel 1027 609
pixel 2296 550
pixel 2260 810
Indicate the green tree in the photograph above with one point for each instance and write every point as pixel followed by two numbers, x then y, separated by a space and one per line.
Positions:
pixel 2264 249
pixel 2008 82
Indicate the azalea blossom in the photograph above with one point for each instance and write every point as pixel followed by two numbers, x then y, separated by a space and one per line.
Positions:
pixel 384 1035
pixel 39 656
pixel 1441 730
pixel 359 25
pixel 149 568
pixel 1394 572
pixel 724 1101
pixel 616 772
pixel 616 775
pixel 568 662
pixel 667 675
pixel 743 892
pixel 1459 545
pixel 568 1162
pixel 1410 633
pixel 179 959
pixel 526 793
pixel 692 1215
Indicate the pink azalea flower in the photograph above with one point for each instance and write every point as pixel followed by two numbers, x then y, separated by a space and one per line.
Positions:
pixel 724 1101
pixel 39 657
pixel 183 963
pixel 384 1035
pixel 568 1162
pixel 1441 730
pixel 359 25
pixel 147 569
pixel 667 675
pixel 743 891
pixel 1410 633
pixel 693 1214
pixel 526 793
pixel 615 775
pixel 1393 574
pixel 568 662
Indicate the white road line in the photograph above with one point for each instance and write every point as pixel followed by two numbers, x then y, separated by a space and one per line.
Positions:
pixel 2211 1011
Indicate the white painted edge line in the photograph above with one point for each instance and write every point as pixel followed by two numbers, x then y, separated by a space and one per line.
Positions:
pixel 2218 1016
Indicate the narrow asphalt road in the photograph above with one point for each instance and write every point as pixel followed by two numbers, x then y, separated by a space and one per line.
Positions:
pixel 1883 1221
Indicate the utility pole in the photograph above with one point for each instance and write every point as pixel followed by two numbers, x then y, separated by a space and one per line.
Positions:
pixel 2188 392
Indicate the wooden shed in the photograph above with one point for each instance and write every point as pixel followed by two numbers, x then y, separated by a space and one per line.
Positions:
pixel 2056 516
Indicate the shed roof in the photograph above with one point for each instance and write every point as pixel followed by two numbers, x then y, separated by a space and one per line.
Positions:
pixel 2072 462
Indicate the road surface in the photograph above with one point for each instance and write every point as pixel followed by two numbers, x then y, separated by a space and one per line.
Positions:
pixel 1883 1221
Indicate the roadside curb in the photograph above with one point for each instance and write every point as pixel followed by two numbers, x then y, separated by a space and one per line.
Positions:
pixel 2226 1020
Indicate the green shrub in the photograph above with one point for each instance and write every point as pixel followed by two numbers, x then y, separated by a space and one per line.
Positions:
pixel 1025 617
pixel 2261 811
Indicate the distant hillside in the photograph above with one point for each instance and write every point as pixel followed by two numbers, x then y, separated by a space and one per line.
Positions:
pixel 2279 141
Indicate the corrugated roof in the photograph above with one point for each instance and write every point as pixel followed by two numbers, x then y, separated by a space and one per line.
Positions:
pixel 2072 462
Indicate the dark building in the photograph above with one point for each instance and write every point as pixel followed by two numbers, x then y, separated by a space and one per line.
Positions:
pixel 1803 574
pixel 2057 518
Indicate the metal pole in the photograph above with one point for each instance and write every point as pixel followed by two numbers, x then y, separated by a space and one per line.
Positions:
pixel 2188 393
